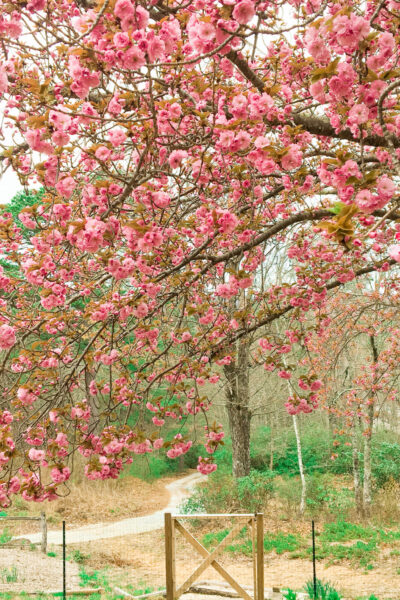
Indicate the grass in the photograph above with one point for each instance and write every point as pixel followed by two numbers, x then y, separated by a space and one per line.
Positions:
pixel 96 579
pixel 78 556
pixel 9 575
pixel 281 542
pixel 345 531
pixel 338 542
pixel 323 590
pixel 5 536
pixel 278 543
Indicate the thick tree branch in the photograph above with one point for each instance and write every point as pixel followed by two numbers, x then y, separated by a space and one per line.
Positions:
pixel 312 124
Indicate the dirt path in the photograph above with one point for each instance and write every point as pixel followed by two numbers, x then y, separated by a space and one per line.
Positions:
pixel 178 490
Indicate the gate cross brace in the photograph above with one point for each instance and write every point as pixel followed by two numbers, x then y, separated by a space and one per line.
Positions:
pixel 209 560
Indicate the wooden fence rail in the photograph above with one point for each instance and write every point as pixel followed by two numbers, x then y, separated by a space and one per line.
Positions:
pixel 173 524
pixel 43 528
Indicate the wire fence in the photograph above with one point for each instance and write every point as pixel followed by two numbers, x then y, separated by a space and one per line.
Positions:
pixel 128 559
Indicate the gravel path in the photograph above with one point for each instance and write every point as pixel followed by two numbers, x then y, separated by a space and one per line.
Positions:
pixel 179 490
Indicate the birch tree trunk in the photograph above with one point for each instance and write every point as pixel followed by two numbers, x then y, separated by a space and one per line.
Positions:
pixel 301 467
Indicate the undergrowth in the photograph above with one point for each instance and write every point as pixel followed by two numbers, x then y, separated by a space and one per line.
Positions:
pixel 333 544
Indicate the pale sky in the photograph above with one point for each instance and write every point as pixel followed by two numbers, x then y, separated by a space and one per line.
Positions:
pixel 9 185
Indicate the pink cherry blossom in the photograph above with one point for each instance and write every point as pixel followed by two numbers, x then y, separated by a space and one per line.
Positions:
pixel 134 58
pixel 394 252
pixel 60 475
pixel 244 11
pixel 205 31
pixel 284 374
pixel 359 114
pixel 103 153
pixel 293 158
pixel 141 310
pixel 66 186
pixel 3 79
pixel 116 136
pixel 350 30
pixel 121 40
pixel 7 337
pixel 124 9
pixel 386 186
pixel 36 455
pixel 176 157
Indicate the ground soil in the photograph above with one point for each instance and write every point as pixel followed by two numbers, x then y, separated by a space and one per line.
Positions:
pixel 34 571
pixel 139 561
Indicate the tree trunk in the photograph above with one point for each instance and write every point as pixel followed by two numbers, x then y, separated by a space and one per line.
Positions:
pixel 237 374
pixel 367 493
pixel 356 470
pixel 301 467
pixel 303 498
pixel 271 445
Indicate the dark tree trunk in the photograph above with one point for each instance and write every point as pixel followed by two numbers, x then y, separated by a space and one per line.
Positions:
pixel 237 404
pixel 367 491
pixel 358 496
pixel 239 423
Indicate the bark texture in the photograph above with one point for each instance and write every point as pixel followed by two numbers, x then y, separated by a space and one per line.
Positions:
pixel 237 374
pixel 358 496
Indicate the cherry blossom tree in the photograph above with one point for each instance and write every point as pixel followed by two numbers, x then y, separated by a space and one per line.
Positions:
pixel 356 355
pixel 178 142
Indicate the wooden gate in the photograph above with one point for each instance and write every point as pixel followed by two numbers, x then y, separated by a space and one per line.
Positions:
pixel 173 524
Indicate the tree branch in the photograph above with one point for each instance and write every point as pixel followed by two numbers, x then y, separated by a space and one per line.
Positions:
pixel 312 124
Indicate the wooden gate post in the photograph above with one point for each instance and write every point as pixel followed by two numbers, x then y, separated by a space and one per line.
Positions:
pixel 43 527
pixel 254 549
pixel 170 556
pixel 260 556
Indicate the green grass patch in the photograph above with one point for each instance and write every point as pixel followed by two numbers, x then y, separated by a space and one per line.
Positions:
pixel 278 542
pixel 339 541
pixel 281 542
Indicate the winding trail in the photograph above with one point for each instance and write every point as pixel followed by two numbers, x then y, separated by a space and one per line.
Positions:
pixel 179 490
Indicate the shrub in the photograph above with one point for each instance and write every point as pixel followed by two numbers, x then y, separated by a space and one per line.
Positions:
pixel 254 491
pixel 288 490
pixel 385 462
pixel 316 452
pixel 223 493
pixel 152 466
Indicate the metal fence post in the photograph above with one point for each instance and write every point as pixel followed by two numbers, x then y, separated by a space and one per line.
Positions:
pixel 314 560
pixel 64 563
